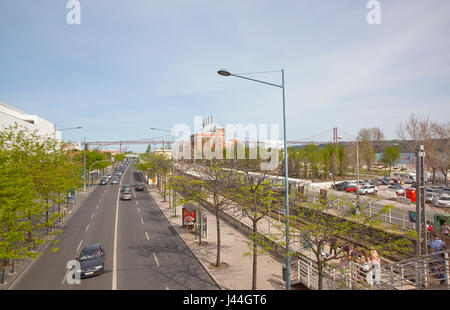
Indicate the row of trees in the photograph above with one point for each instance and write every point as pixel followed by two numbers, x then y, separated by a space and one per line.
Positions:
pixel 222 184
pixel 312 161
pixel 35 176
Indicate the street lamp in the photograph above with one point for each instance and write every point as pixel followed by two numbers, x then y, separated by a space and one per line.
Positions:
pixel 61 129
pixel 173 168
pixel 357 169
pixel 225 72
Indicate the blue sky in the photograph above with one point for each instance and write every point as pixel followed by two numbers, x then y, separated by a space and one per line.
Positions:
pixel 135 64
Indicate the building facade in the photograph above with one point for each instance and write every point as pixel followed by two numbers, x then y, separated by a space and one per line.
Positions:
pixel 9 116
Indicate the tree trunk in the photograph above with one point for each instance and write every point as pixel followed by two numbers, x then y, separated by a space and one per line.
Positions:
pixel 255 256
pixel 218 237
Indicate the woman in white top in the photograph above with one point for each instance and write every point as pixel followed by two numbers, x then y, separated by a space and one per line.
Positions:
pixel 375 264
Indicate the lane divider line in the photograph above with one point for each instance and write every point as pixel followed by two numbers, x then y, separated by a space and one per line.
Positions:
pixel 156 259
pixel 142 221
pixel 87 227
pixel 79 245
pixel 92 216
pixel 147 236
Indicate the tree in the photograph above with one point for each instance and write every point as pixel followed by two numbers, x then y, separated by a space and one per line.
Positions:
pixel 254 193
pixel 391 155
pixel 316 223
pixel 369 139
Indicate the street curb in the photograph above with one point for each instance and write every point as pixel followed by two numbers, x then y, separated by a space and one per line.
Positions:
pixel 184 241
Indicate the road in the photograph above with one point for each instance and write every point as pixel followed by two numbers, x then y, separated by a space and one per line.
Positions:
pixel 143 251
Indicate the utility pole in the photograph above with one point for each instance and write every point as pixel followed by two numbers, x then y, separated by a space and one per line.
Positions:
pixel 421 245
pixel 84 173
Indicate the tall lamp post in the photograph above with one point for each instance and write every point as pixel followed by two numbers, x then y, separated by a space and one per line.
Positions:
pixel 173 168
pixel 357 169
pixel 61 129
pixel 225 72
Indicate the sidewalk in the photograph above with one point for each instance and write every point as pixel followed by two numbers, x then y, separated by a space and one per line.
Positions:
pixel 21 264
pixel 234 252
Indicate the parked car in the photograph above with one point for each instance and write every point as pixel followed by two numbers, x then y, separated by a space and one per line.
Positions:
pixel 92 260
pixel 351 188
pixel 139 187
pixel 368 189
pixel 125 195
pixel 341 185
pixel 442 201
pixel 399 190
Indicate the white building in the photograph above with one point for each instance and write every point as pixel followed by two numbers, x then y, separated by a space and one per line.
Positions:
pixel 10 115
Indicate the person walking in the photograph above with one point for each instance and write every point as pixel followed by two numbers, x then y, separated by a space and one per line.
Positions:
pixel 366 270
pixel 437 245
pixel 375 264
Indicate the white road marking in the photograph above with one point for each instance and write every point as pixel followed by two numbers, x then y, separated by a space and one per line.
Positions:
pixel 87 227
pixel 92 215
pixel 114 275
pixel 79 245
pixel 147 236
pixel 139 210
pixel 156 259
pixel 142 221
pixel 64 279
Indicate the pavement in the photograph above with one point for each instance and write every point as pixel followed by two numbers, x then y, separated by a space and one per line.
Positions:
pixel 234 250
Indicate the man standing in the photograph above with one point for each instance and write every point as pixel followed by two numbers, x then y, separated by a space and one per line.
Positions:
pixel 437 266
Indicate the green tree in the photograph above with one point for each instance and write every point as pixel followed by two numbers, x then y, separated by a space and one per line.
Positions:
pixel 391 155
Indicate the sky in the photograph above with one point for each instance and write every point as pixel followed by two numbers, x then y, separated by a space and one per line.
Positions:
pixel 136 64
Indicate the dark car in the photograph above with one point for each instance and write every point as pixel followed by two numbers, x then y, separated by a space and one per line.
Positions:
pixel 92 260
pixel 103 181
pixel 125 188
pixel 125 195
pixel 139 187
pixel 341 186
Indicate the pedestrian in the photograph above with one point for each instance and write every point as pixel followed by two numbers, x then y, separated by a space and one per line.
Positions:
pixel 445 229
pixel 437 245
pixel 430 230
pixel 333 244
pixel 376 266
pixel 366 271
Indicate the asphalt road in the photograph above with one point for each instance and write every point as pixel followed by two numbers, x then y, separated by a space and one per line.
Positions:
pixel 143 252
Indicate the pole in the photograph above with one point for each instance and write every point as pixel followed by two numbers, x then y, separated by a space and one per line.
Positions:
pixel 84 173
pixel 357 173
pixel 286 184
pixel 418 202
pixel 173 175
pixel 422 200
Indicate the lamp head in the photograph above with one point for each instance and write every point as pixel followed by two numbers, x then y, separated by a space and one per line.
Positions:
pixel 224 72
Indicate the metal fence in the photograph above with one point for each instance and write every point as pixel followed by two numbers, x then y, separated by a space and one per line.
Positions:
pixel 424 272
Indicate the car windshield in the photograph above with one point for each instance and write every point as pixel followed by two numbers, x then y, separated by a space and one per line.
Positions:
pixel 90 254
pixel 126 193
pixel 445 198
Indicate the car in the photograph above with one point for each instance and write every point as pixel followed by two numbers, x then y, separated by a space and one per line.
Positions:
pixel 92 260
pixel 114 181
pixel 442 201
pixel 368 189
pixel 351 188
pixel 341 185
pixel 125 188
pixel 125 195
pixel 399 190
pixel 103 181
pixel 139 187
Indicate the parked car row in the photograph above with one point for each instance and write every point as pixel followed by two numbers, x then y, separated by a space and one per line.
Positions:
pixel 364 187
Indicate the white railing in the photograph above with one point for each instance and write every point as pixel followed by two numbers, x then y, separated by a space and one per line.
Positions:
pixel 424 272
